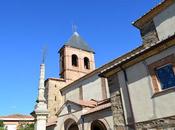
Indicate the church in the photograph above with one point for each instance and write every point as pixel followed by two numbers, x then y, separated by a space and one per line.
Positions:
pixel 133 92
pixel 79 99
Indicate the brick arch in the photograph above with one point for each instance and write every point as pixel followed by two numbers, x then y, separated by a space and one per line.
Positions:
pixel 61 122
pixel 105 123
pixel 69 123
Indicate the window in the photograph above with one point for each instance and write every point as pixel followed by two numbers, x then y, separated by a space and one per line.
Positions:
pixel 162 73
pixel 166 76
pixel 74 60
pixel 69 109
pixel 86 63
pixel 55 98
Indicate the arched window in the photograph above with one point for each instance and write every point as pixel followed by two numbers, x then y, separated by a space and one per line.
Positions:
pixel 86 63
pixel 74 60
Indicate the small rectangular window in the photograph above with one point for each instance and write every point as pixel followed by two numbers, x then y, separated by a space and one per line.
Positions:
pixel 166 76
pixel 162 73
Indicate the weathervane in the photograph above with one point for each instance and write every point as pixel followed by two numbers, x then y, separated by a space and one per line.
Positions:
pixel 74 28
pixel 44 53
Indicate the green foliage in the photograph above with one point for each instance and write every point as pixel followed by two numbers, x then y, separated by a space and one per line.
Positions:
pixel 26 127
pixel 1 124
pixel 2 127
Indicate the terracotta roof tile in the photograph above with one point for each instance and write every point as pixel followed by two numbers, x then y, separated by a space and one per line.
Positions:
pixel 16 116
pixel 85 103
pixel 98 108
pixel 76 41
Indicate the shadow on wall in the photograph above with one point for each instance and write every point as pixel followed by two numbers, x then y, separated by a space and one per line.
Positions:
pixel 137 73
pixel 165 15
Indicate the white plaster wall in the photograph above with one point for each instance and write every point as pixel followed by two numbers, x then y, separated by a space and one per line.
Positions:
pixel 92 89
pixel 11 127
pixel 140 88
pixel 140 92
pixel 73 95
pixel 165 22
pixel 74 108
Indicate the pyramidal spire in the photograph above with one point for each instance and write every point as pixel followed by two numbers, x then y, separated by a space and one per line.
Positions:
pixel 77 41
pixel 41 105
pixel 41 111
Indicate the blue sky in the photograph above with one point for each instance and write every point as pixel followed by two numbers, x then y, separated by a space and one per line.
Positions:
pixel 26 26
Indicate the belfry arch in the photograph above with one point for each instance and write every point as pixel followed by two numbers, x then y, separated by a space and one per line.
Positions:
pixel 70 124
pixel 98 125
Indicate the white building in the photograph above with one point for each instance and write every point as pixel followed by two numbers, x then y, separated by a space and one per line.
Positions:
pixel 11 122
pixel 144 78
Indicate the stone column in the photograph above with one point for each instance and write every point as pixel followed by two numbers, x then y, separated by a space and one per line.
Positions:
pixel 41 111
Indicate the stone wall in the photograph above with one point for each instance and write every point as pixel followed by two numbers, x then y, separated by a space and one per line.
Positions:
pixel 53 96
pixel 149 34
pixel 163 123
pixel 117 108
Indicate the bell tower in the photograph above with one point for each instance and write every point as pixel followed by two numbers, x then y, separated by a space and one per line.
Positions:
pixel 76 58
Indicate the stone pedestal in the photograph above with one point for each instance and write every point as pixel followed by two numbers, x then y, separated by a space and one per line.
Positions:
pixel 41 121
pixel 41 114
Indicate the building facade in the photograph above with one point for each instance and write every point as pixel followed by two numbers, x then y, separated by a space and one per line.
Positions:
pixel 79 99
pixel 12 122
pixel 142 82
pixel 134 91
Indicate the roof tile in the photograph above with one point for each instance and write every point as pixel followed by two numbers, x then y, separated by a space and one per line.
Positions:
pixel 77 42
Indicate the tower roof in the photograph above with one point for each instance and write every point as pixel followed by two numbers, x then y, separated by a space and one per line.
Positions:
pixel 77 42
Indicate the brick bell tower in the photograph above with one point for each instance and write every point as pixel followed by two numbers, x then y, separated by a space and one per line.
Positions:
pixel 76 58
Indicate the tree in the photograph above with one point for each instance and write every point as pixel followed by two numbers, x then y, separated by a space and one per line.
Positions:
pixel 2 127
pixel 26 127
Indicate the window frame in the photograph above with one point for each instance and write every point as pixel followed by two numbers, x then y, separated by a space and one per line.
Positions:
pixel 157 65
pixel 161 87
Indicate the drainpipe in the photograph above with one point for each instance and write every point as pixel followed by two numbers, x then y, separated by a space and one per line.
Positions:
pixel 127 90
